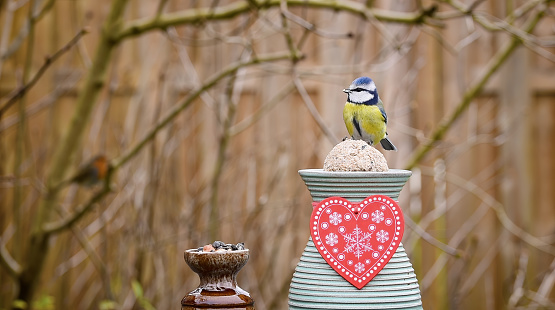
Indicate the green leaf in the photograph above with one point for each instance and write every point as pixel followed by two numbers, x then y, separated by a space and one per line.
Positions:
pixel 108 305
pixel 44 302
pixel 139 293
pixel 137 289
pixel 19 304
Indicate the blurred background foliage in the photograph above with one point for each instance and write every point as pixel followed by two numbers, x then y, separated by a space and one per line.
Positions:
pixel 206 110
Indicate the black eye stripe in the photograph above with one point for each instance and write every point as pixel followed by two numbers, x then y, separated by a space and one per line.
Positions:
pixel 359 89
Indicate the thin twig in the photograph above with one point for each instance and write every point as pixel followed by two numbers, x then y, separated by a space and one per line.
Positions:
pixel 313 29
pixel 480 18
pixel 96 260
pixel 455 197
pixel 49 60
pixel 24 30
pixel 6 30
pixel 42 103
pixel 548 281
pixel 542 302
pixel 483 265
pixel 431 240
pixel 287 33
pixel 223 143
pixel 314 111
pixel 528 39
pixel 11 266
pixel 188 66
pixel 258 114
pixel 70 220
pixel 20 135
pixel 502 216
pixel 518 285
pixel 161 6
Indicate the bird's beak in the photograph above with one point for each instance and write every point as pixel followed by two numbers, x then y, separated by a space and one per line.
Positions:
pixel 346 90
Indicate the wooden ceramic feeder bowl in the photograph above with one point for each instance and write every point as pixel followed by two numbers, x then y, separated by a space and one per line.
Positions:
pixel 218 287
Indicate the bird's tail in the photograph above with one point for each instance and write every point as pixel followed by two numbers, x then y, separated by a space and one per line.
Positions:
pixel 387 145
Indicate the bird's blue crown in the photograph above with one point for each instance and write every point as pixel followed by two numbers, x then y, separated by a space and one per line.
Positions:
pixel 363 91
pixel 362 81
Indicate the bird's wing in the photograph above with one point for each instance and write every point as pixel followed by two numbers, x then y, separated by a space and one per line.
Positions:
pixel 348 114
pixel 380 106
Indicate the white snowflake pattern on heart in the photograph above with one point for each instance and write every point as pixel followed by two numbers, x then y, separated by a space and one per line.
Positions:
pixel 331 239
pixel 359 267
pixel 382 236
pixel 357 242
pixel 377 216
pixel 335 218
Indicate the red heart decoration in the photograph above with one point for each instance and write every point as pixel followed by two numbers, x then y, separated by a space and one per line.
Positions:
pixel 357 239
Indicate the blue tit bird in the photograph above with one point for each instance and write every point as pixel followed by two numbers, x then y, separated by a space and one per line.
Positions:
pixel 364 114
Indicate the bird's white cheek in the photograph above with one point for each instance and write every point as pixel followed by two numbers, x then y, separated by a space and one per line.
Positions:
pixel 361 97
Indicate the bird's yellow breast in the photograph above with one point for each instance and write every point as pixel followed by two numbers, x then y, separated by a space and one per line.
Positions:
pixel 369 118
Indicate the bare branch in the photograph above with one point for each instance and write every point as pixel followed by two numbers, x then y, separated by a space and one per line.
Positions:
pixel 23 31
pixel 480 18
pixel 495 63
pixel 482 266
pixel 201 15
pixel 287 34
pixel 312 28
pixel 70 220
pixel 161 6
pixel 314 111
pixel 21 91
pixel 247 122
pixel 8 262
pixel 223 143
pixel 518 285
pixel 431 240
pixel 42 103
pixel 548 281
pixel 230 70
pixel 502 216
pixel 492 24
pixel 96 260
pixel 542 301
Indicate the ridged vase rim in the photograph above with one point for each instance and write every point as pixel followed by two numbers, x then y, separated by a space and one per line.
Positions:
pixel 361 174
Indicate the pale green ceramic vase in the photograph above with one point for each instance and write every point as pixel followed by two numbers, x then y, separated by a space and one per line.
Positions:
pixel 315 285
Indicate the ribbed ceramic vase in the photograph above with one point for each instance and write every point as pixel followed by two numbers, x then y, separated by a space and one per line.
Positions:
pixel 315 285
